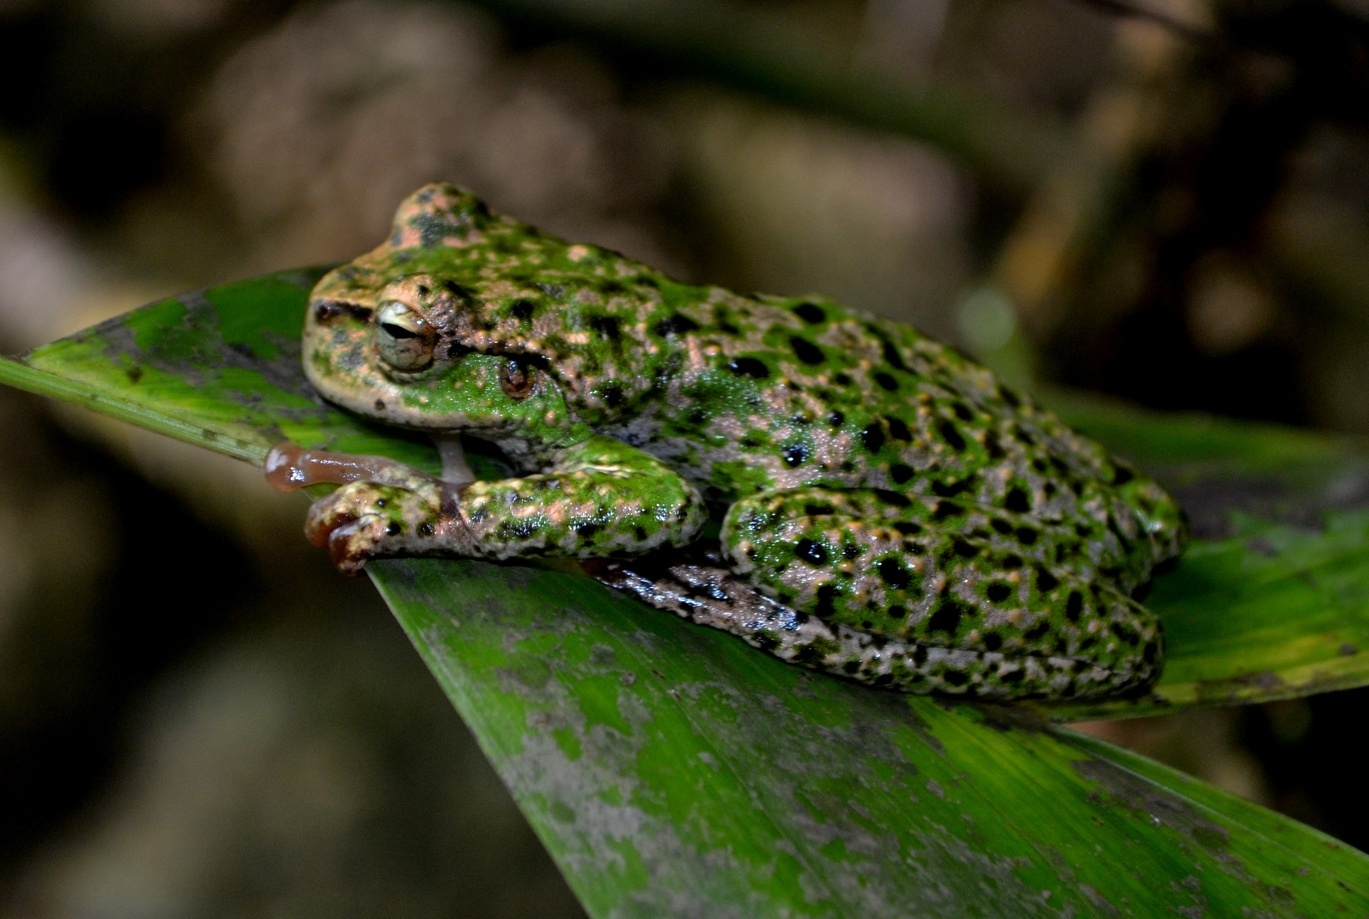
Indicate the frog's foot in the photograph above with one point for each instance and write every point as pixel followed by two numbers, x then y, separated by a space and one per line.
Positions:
pixel 713 596
pixel 290 467
pixel 364 520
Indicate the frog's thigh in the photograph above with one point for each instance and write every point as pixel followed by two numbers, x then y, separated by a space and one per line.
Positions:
pixel 916 589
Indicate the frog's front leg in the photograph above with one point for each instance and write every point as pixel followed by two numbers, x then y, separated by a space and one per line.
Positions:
pixel 599 497
pixel 922 594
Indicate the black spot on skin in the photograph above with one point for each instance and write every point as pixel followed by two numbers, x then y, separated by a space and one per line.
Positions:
pixel 1037 632
pixel 951 489
pixel 886 381
pixel 962 411
pixel 607 326
pixel 1001 526
pixel 610 288
pixel 380 405
pixel 998 592
pixel 898 611
pixel 424 290
pixel 810 551
pixel 956 677
pixel 842 379
pixel 900 473
pixel 1012 676
pixel 826 599
pixel 765 641
pixel 675 325
pixel 948 433
pixel 1045 581
pixel 818 510
pixel 893 357
pixel 964 548
pixel 946 618
pixel 795 455
pixel 1017 501
pixel 749 367
pixel 1151 653
pixel 1074 606
pixel 992 641
pixel 891 498
pixel 836 419
pixel 134 373
pixel 612 393
pixel 1008 396
pixel 1121 475
pixel 393 529
pixel 892 573
pixel 810 313
pixel 1011 562
pixel 872 437
pixel 326 311
pixel 457 291
pixel 1124 634
pixel 992 447
pixel 806 351
pixel 425 529
pixel 587 530
pixel 945 509
pixel 908 527
pixel 1027 536
pixel 897 429
pixel 851 551
pixel 850 667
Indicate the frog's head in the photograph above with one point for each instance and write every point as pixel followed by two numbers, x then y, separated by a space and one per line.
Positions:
pixel 398 356
pixel 467 320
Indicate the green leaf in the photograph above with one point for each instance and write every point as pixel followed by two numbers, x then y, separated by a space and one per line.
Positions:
pixel 672 770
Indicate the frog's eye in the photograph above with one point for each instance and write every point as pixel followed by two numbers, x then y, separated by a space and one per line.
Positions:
pixel 404 339
pixel 517 379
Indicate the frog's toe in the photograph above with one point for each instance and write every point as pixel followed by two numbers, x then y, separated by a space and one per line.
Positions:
pixel 351 544
pixel 350 524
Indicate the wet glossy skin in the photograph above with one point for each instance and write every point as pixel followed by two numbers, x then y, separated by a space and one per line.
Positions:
pixel 890 511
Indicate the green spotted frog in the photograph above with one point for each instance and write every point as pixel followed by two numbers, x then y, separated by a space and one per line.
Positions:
pixel 889 511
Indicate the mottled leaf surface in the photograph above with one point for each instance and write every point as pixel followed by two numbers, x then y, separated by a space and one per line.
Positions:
pixel 672 770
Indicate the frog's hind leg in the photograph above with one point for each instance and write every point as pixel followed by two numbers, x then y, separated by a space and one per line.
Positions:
pixel 698 587
pixel 923 594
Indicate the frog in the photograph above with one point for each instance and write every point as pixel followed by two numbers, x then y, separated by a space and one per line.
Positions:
pixel 837 489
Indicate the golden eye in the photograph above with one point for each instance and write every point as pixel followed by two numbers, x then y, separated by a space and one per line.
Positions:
pixel 517 379
pixel 404 339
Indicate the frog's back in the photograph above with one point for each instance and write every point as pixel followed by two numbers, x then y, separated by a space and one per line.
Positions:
pixel 804 392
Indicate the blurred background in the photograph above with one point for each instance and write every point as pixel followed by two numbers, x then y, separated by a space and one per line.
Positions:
pixel 1164 200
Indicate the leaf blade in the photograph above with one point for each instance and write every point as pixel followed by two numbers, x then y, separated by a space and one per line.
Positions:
pixel 672 769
